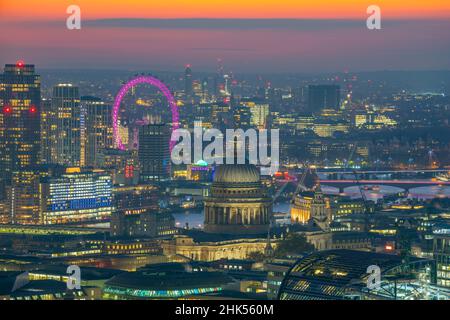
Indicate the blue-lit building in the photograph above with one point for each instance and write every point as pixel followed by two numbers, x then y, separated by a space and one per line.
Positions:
pixel 76 196
pixel 165 281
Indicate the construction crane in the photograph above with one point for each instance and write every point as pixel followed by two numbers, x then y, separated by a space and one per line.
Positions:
pixel 361 191
pixel 365 202
pixel 300 183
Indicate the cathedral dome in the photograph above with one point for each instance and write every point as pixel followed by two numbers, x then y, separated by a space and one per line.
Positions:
pixel 236 173
pixel 237 202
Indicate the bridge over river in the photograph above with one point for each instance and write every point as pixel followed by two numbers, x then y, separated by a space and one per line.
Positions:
pixel 403 184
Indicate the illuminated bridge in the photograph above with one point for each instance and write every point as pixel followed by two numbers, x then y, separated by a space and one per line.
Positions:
pixel 387 171
pixel 403 184
pixel 401 174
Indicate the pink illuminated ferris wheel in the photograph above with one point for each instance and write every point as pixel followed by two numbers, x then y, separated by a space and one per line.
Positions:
pixel 123 91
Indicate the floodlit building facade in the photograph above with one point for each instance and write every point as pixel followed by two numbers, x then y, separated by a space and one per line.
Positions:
pixel 76 196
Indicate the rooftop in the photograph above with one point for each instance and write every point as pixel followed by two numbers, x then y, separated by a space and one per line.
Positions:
pixel 328 274
pixel 173 276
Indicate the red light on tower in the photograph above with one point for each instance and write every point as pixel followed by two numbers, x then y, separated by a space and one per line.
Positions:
pixel 20 64
pixel 129 171
pixel 7 110
pixel 33 109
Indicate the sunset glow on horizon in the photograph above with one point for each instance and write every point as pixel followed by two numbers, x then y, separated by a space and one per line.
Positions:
pixel 260 9
pixel 307 36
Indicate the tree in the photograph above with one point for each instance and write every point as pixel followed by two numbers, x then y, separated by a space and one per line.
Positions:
pixel 293 244
pixel 256 256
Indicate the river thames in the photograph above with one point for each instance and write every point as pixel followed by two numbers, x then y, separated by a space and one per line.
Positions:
pixel 194 218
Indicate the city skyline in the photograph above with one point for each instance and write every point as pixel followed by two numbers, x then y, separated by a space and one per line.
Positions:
pixel 229 150
pixel 350 188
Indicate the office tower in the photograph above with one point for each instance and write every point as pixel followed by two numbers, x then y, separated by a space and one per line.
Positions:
pixel 97 134
pixel 5 217
pixel 23 197
pixel 153 153
pixel 330 128
pixel 136 199
pixel 218 78
pixel 48 132
pixel 226 87
pixel 242 117
pixel 221 117
pixel 76 196
pixel 216 85
pixel 136 212
pixel 202 113
pixel 188 82
pixel 20 94
pixel 83 135
pixel 197 88
pixel 205 93
pixel 66 104
pixel 260 115
pixel 323 97
pixel 259 112
pixel 122 164
pixel 341 206
pixel 146 224
pixel 299 95
pixel 274 97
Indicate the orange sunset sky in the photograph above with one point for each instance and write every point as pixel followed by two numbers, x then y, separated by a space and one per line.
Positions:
pixel 327 9
pixel 329 35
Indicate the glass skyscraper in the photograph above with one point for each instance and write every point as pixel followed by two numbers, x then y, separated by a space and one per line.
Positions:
pixel 20 94
pixel 66 105
pixel 323 97
pixel 154 154
pixel 97 130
